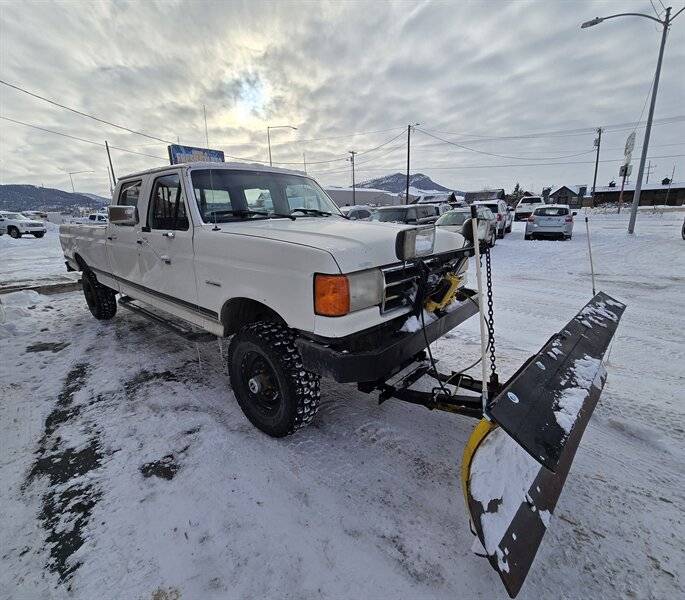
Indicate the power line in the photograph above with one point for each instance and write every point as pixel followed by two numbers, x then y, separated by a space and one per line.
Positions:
pixel 501 155
pixel 83 114
pixel 80 139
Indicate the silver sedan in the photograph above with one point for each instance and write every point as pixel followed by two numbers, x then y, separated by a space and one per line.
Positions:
pixel 551 220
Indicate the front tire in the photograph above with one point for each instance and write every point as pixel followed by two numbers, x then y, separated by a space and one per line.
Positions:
pixel 527 237
pixel 14 233
pixel 40 234
pixel 271 385
pixel 101 300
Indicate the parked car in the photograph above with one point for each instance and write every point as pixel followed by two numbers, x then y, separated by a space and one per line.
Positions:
pixel 526 206
pixel 15 225
pixel 93 218
pixel 503 215
pixel 411 213
pixel 455 221
pixel 551 220
pixel 357 213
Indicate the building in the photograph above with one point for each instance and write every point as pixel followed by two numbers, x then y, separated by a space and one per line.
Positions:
pixel 497 194
pixel 573 195
pixel 343 196
pixel 652 194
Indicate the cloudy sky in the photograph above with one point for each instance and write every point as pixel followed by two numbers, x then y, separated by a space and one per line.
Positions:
pixel 485 75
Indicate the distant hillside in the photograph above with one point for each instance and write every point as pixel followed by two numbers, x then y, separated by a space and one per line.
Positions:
pixel 30 197
pixel 397 183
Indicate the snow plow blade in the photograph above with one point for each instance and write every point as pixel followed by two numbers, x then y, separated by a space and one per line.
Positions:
pixel 516 463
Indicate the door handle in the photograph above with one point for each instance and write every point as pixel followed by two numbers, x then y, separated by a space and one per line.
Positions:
pixel 166 259
pixel 169 234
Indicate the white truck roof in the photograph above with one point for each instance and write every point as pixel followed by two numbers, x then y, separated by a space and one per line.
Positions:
pixel 214 165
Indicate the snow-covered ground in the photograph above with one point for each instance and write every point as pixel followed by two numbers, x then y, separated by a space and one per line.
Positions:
pixel 128 471
pixel 29 258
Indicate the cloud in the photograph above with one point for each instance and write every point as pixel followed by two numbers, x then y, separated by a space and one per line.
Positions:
pixel 470 71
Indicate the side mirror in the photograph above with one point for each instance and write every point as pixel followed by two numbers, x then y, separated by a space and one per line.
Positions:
pixel 123 215
pixel 574 214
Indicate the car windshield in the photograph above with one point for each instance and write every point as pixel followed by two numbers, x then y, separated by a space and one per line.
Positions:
pixel 551 211
pixel 493 207
pixel 392 214
pixel 231 195
pixel 453 217
pixel 15 216
pixel 531 200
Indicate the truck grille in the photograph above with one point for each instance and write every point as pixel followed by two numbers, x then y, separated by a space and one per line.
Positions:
pixel 401 278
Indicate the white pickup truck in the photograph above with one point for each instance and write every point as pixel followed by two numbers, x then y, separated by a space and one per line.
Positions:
pixel 264 255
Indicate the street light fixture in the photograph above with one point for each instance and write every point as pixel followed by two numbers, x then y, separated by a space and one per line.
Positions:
pixel 665 23
pixel 268 136
pixel 70 173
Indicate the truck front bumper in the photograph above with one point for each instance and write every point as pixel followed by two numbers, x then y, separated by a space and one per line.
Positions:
pixel 390 354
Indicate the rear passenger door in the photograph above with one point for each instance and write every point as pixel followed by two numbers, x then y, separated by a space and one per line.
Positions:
pixel 166 253
pixel 122 240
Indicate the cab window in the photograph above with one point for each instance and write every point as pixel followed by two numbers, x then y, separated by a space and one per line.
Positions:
pixel 129 193
pixel 167 204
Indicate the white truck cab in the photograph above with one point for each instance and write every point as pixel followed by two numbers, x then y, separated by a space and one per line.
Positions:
pixel 264 253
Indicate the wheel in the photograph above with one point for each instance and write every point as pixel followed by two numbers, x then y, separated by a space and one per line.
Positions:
pixel 682 231
pixel 500 234
pixel 39 234
pixel 101 300
pixel 493 240
pixel 508 229
pixel 527 237
pixel 14 232
pixel 276 393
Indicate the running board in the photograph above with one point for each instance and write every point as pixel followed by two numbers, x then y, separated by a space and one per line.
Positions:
pixel 187 332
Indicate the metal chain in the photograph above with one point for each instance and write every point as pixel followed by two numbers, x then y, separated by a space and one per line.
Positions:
pixel 491 315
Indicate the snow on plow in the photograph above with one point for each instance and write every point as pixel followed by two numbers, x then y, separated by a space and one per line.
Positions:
pixel 517 459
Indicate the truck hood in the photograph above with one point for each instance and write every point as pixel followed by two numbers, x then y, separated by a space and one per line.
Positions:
pixel 354 245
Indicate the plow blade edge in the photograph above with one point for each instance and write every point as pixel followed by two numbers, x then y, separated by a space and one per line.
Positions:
pixel 515 465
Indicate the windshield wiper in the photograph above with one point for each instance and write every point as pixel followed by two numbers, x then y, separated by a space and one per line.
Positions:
pixel 312 211
pixel 239 212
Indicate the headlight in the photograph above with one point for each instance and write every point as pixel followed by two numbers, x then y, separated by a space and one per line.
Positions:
pixel 418 241
pixel 338 295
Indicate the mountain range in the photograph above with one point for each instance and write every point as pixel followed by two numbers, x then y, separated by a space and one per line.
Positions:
pixel 397 182
pixel 30 197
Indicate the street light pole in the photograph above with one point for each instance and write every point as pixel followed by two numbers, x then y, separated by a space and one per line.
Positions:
pixel 406 197
pixel 648 130
pixel 268 136
pixel 598 141
pixel 354 191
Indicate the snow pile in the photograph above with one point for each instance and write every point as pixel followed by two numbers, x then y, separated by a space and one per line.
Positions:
pixel 413 323
pixel 585 372
pixel 502 473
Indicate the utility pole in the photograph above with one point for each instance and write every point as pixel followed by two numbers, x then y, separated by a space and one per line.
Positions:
pixel 649 170
pixel 268 136
pixel 409 128
pixel 598 143
pixel 204 109
pixel 670 183
pixel 354 191
pixel 109 157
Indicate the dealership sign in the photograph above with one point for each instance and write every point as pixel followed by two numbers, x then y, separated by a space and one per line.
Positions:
pixel 185 154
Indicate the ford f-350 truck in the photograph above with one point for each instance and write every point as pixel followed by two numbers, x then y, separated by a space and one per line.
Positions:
pixel 264 255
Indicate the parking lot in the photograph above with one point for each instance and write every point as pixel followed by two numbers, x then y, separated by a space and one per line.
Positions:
pixel 130 472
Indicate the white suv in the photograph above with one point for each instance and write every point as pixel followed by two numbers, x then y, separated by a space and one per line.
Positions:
pixel 502 214
pixel 526 206
pixel 15 225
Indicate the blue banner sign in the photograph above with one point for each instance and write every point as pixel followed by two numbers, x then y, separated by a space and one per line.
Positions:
pixel 184 154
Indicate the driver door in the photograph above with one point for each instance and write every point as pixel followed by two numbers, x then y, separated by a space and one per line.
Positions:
pixel 166 252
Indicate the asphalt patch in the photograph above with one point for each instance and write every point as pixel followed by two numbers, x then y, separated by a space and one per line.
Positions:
pixel 165 468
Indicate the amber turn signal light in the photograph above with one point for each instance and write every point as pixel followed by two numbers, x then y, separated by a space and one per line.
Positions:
pixel 331 295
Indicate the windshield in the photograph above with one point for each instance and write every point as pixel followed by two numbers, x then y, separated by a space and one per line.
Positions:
pixel 531 200
pixel 453 218
pixel 15 216
pixel 398 215
pixel 230 195
pixel 551 211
